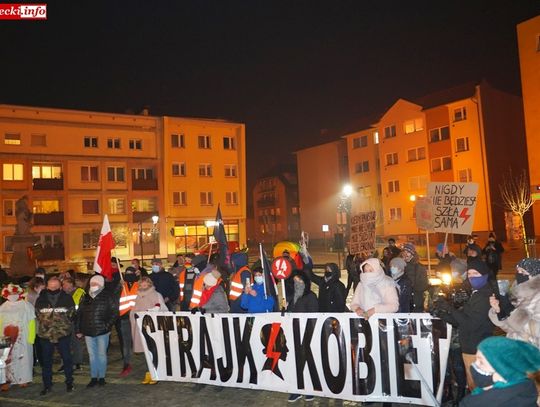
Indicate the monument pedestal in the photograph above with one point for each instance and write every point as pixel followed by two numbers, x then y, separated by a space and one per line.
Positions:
pixel 21 265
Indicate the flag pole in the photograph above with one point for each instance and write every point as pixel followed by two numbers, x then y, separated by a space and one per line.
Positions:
pixel 264 271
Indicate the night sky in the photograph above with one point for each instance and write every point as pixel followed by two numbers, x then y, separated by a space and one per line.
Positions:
pixel 285 68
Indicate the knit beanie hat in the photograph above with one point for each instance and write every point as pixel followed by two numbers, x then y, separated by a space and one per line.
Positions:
pixel 211 279
pixel 512 359
pixel 409 247
pixel 532 266
pixel 398 262
pixel 478 265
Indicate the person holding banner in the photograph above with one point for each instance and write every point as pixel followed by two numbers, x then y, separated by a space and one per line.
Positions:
pixel 417 274
pixel 213 299
pixel 332 292
pixel 376 292
pixel 506 372
pixel 254 299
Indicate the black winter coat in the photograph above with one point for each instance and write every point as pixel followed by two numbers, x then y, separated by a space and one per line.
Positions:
pixel 472 320
pixel 521 395
pixel 417 274
pixel 332 293
pixel 96 316
pixel 166 285
pixel 306 303
pixel 404 293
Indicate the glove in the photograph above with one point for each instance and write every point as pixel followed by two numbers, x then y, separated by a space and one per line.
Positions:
pixel 202 311
pixel 194 310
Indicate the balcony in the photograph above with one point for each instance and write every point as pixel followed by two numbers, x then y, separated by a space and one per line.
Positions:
pixel 53 218
pixel 42 184
pixel 144 184
pixel 139 217
pixel 266 202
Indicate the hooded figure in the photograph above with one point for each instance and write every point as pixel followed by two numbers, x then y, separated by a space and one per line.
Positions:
pixel 376 292
pixel 417 274
pixel 506 372
pixel 524 321
pixel 332 292
pixel 304 300
pixel 404 285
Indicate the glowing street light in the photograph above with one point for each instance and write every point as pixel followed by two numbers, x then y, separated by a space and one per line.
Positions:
pixel 347 190
pixel 412 198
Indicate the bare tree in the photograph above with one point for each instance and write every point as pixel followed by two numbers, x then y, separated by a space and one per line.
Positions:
pixel 516 196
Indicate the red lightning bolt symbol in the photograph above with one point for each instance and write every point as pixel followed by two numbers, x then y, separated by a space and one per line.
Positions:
pixel 270 354
pixel 464 215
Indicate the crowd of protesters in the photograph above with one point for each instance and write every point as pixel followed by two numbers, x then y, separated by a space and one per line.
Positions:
pixel 73 311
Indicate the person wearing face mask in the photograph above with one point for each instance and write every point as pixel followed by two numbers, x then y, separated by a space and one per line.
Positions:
pixel 472 319
pixel 417 274
pixel 141 271
pixel 97 313
pixel 493 254
pixel 253 299
pixel 128 295
pixel 213 298
pixel 17 321
pixel 165 284
pixel 524 320
pixel 55 311
pixel 506 372
pixel 404 285
pixel 332 292
pixel 376 292
pixel 68 285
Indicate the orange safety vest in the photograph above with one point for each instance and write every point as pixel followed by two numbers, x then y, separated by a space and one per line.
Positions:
pixel 127 298
pixel 237 285
pixel 197 292
pixel 181 283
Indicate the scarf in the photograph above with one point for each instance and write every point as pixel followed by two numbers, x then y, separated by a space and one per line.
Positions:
pixel 207 293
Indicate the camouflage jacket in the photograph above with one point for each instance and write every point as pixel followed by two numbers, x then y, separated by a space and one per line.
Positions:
pixel 54 321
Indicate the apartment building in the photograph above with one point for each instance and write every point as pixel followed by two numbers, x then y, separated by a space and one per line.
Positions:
pixel 529 60
pixel 276 207
pixel 77 166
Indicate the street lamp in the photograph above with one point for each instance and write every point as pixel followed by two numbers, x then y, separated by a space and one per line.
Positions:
pixel 344 212
pixel 155 220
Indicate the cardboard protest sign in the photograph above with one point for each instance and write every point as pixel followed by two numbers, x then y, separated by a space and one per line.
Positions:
pixel 424 214
pixel 363 233
pixel 454 205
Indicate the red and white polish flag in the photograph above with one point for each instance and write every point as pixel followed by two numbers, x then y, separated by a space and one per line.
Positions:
pixel 102 263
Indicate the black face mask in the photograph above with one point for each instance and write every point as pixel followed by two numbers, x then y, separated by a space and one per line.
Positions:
pixel 327 274
pixel 54 292
pixel 481 379
pixel 130 278
pixel 521 278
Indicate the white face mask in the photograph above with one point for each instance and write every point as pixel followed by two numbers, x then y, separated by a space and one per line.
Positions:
pixel 13 297
pixel 395 270
pixel 259 279
pixel 155 268
pixel 95 288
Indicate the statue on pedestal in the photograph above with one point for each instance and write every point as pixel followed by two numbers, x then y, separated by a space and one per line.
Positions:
pixel 23 216
pixel 21 264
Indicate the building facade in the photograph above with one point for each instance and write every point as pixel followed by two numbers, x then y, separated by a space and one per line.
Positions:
pixel 529 61
pixel 77 166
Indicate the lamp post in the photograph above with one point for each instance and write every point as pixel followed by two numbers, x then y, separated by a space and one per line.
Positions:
pixel 141 242
pixel 155 220
pixel 344 212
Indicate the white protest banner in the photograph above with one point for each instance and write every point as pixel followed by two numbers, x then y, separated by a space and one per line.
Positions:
pixel 330 355
pixel 424 213
pixel 454 204
pixel 363 233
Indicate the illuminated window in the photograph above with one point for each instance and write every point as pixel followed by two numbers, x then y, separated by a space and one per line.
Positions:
pixel 465 175
pixel 89 173
pixel 439 134
pixel 393 186
pixel 179 169
pixel 177 141
pixel 90 142
pixel 13 172
pixel 462 144
pixel 205 170
pixel 229 143
pixel 46 170
pixel 12 138
pixel 415 154
pixel 361 167
pixel 90 239
pixel 135 144
pixel 144 205
pixel 9 207
pixel 359 142
pixel 375 137
pixel 460 114
pixel 38 140
pixel 44 206
pixel 116 174
pixel 90 207
pixel 391 159
pixel 180 198
pixel 113 143
pixel 230 170
pixel 390 131
pixel 117 206
pixel 207 198
pixel 395 213
pixel 204 141
pixel 441 164
pixel 231 198
pixel 410 126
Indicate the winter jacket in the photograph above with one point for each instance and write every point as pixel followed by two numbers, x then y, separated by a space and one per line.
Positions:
pixel 417 274
pixel 520 395
pixel 147 300
pixel 472 320
pixel 55 319
pixel 332 293
pixel 166 285
pixel 96 316
pixel 258 303
pixel 236 305
pixel 308 301
pixel 378 292
pixel 404 293
pixel 524 321
pixel 218 302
